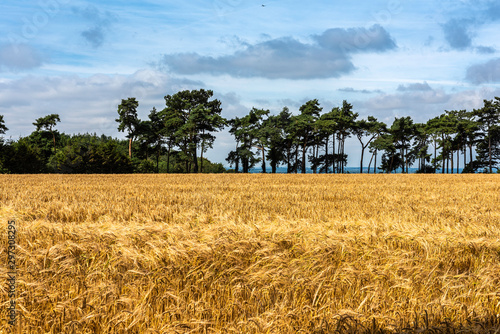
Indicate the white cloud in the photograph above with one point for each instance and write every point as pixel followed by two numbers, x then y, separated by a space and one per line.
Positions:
pixel 329 56
pixel 84 104
pixel 488 72
pixel 19 57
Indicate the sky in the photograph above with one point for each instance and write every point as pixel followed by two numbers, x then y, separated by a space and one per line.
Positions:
pixel 388 58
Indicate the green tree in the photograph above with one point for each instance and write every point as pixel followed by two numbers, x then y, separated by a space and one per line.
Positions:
pixel 22 157
pixel 431 128
pixel 207 118
pixel 345 119
pixel 3 128
pixel 488 150
pixel 152 133
pixel 421 148
pixel 327 127
pixel 391 160
pixel 190 117
pixel 472 134
pixel 403 131
pixel 249 134
pixel 233 157
pixel 304 127
pixel 274 132
pixel 488 117
pixel 128 119
pixel 48 123
pixel 258 132
pixel 369 129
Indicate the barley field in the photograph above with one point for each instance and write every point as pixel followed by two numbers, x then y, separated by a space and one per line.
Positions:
pixel 253 253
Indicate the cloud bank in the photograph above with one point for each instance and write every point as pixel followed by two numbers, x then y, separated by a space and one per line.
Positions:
pixel 85 104
pixel 329 56
pixel 19 57
pixel 488 72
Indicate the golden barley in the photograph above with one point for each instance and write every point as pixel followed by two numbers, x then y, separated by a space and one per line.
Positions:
pixel 253 253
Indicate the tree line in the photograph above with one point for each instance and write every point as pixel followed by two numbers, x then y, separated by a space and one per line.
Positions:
pixel 318 138
pixel 174 140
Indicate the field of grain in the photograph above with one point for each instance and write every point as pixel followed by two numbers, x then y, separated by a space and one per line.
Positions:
pixel 253 253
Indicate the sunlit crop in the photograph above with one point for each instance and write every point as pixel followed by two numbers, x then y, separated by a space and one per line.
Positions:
pixel 253 253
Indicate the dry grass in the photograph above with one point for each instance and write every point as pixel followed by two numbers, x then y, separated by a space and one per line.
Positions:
pixel 254 253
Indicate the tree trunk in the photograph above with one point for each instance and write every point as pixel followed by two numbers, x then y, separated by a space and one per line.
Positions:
pixel 447 165
pixel 201 158
pixel 158 161
pixel 407 162
pixel 375 163
pixel 326 154
pixel 304 151
pixel 362 156
pixel 435 155
pixel 288 169
pixel 168 158
pixel 452 162
pixel 273 166
pixel 195 160
pixel 489 151
pixel 442 155
pixel 296 159
pixel 334 162
pixel 403 157
pixel 470 153
pixel 370 164
pixel 390 165
pixel 342 156
pixel 237 162
pixel 130 147
pixel 315 155
pixel 465 155
pixel 263 160
pixel 54 137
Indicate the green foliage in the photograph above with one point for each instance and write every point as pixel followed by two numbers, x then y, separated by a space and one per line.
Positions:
pixel 48 122
pixel 304 127
pixel 190 117
pixel 488 151
pixel 249 133
pixel 86 154
pixel 370 129
pixel 128 120
pixel 22 157
pixel 403 130
pixel 3 128
pixel 345 120
pixel 488 118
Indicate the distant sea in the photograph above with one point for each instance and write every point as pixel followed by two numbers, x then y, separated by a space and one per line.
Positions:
pixel 348 170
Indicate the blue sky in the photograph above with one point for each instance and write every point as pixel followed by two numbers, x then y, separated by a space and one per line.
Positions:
pixel 388 58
